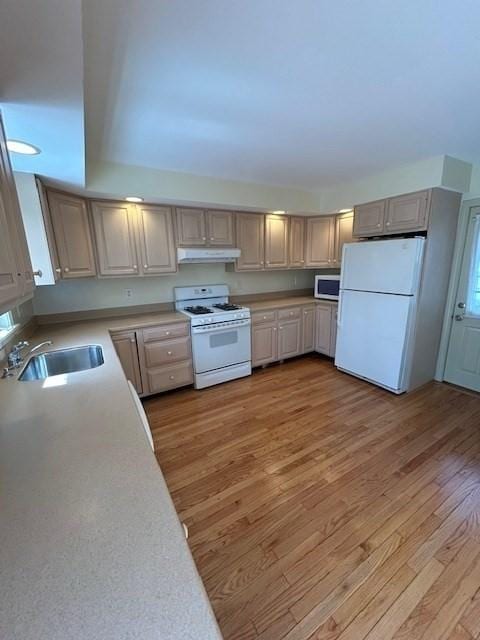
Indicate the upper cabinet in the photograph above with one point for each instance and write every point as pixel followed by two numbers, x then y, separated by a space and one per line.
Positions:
pixel 296 247
pixel 9 279
pixel 73 238
pixel 320 239
pixel 402 214
pixel 276 241
pixel 250 229
pixel 156 239
pixel 198 228
pixel 115 235
pixel 343 234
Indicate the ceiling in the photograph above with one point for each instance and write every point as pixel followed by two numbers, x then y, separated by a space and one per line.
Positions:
pixel 303 94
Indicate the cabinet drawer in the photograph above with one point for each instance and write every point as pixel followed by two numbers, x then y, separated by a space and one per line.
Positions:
pixel 177 375
pixel 165 332
pixel 158 353
pixel 289 314
pixel 259 317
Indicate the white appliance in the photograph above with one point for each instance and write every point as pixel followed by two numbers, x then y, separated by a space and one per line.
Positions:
pixel 221 341
pixel 192 255
pixel 377 312
pixel 327 287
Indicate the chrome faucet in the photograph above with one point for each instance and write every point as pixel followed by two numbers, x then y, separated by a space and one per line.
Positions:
pixel 15 358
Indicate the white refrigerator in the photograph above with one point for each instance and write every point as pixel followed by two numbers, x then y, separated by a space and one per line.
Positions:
pixel 379 288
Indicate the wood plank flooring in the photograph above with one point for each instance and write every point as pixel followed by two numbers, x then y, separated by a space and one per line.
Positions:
pixel 323 508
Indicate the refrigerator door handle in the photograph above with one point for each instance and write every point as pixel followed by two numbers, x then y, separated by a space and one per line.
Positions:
pixel 339 311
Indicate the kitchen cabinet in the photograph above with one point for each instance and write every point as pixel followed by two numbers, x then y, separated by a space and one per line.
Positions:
pixel 220 232
pixel 402 214
pixel 73 237
pixel 343 234
pixel 276 241
pixel 199 228
pixel 333 331
pixel 156 239
pixel 264 344
pixel 125 343
pixel 14 231
pixel 407 213
pixel 320 238
pixel 250 229
pixel 114 225
pixel 296 258
pixel 323 329
pixel 49 233
pixel 308 329
pixel 289 338
pixel 369 219
pixel 9 280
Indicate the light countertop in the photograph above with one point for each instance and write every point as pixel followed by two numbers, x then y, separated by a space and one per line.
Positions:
pixel 292 301
pixel 90 544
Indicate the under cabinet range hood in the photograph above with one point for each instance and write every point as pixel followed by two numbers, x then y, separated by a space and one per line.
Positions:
pixel 206 255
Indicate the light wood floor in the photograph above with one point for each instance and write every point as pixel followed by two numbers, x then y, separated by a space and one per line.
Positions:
pixel 321 507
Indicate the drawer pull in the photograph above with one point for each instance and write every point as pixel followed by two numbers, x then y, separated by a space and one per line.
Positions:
pixel 172 377
pixel 167 333
pixel 264 317
pixel 169 353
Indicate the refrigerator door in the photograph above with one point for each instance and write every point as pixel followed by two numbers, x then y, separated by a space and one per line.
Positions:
pixel 373 337
pixel 383 266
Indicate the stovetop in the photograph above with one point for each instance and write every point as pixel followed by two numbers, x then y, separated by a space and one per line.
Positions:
pixel 208 304
pixel 199 310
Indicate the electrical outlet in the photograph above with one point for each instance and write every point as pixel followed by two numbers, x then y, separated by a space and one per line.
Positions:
pixel 129 293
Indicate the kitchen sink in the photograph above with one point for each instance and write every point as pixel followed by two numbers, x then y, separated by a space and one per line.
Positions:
pixel 54 363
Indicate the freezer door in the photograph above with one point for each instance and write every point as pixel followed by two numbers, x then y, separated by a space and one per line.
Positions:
pixel 372 336
pixel 384 266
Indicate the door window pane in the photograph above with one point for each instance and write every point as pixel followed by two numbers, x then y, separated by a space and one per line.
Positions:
pixel 473 296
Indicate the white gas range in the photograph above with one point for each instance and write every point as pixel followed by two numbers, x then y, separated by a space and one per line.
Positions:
pixel 221 340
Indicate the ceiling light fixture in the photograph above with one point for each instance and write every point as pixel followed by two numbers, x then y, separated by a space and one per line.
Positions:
pixel 345 210
pixel 133 199
pixel 17 146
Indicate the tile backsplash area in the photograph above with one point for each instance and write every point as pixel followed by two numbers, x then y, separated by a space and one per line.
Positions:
pixel 104 293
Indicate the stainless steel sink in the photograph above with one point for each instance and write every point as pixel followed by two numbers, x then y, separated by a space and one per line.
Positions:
pixel 54 363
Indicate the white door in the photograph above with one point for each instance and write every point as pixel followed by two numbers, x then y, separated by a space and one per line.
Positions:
pixel 384 266
pixel 463 359
pixel 372 336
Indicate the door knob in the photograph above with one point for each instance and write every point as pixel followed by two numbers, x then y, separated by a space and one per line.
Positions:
pixel 461 305
pixel 458 317
pixel 38 273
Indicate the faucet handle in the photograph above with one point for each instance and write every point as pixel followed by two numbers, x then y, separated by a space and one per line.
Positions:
pixel 20 345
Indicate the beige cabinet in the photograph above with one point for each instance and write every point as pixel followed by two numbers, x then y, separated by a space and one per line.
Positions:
pixel 264 344
pixel 333 331
pixel 296 256
pixel 73 236
pixel 276 241
pixel 115 236
pixel 323 329
pixel 9 280
pixel 47 224
pixel 407 213
pixel 250 230
pixel 156 239
pixel 320 238
pixel 289 338
pixel 191 227
pixel 369 219
pixel 220 231
pixel 125 343
pixel 343 235
pixel 308 329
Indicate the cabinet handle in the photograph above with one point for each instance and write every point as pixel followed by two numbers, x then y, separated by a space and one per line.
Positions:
pixel 212 238
pixel 38 273
pixel 172 377
pixel 261 261
pixel 275 328
pixel 167 333
pixel 132 340
pixel 58 270
pixel 378 226
pixel 134 266
pixel 302 261
pixel 388 224
pixel 204 238
pixel 145 266
pixel 169 353
pixel 66 269
pixel 264 317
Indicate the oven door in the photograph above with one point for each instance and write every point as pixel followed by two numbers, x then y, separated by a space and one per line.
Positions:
pixel 216 347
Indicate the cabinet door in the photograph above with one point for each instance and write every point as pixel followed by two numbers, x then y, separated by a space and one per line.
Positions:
pixel 276 241
pixel 369 219
pixel 156 239
pixel 289 338
pixel 407 213
pixel 323 329
pixel 72 235
pixel 343 234
pixel 125 343
pixel 115 234
pixel 18 239
pixel 333 332
pixel 9 279
pixel 191 227
pixel 264 344
pixel 251 241
pixel 308 329
pixel 47 223
pixel 297 243
pixel 320 241
pixel 220 228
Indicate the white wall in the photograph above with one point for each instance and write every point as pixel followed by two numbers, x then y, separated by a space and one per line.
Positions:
pixel 90 293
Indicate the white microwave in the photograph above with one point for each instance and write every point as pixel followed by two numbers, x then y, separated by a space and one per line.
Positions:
pixel 327 287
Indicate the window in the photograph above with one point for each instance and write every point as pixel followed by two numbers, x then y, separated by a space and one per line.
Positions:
pixel 6 323
pixel 473 296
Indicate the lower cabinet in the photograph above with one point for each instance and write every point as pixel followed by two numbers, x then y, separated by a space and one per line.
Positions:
pixel 264 343
pixel 156 358
pixel 308 329
pixel 325 329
